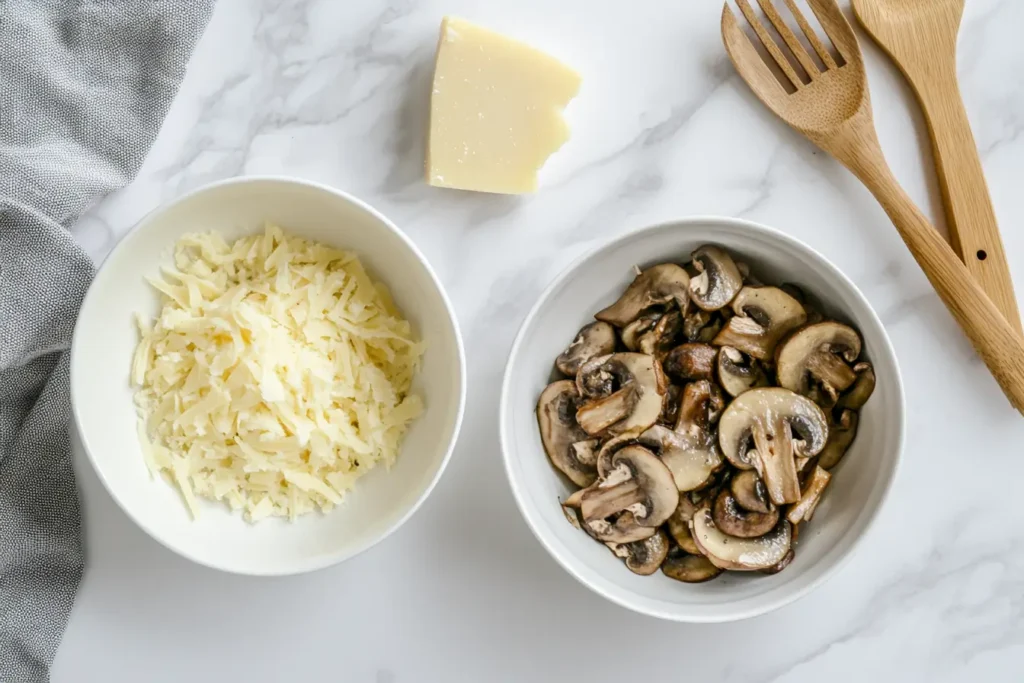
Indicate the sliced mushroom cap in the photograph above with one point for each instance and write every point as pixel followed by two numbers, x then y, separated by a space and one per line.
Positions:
pixel 692 461
pixel 813 489
pixel 718 281
pixel 700 407
pixel 750 492
pixel 679 525
pixel 658 285
pixel 737 372
pixel 735 521
pixel 811 306
pixel 556 416
pixel 639 483
pixel 670 407
pixel 632 332
pixel 664 336
pixel 688 568
pixel 610 448
pixel 638 387
pixel 743 554
pixel 624 529
pixel 764 315
pixel 780 425
pixel 691 361
pixel 593 380
pixel 840 436
pixel 595 339
pixel 643 557
pixel 862 388
pixel 784 562
pixel 571 508
pixel 695 323
pixel 819 354
pixel 586 451
pixel 690 451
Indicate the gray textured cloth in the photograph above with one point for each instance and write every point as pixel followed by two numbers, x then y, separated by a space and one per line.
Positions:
pixel 84 86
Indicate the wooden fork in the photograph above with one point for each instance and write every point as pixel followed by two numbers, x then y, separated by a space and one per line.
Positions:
pixel 833 111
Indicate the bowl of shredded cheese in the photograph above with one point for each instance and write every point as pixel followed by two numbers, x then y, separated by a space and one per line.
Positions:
pixel 267 376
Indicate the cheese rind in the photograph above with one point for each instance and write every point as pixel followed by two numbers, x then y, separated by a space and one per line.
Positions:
pixel 495 110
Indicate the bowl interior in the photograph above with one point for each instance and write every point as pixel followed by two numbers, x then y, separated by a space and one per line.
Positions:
pixel 860 482
pixel 105 338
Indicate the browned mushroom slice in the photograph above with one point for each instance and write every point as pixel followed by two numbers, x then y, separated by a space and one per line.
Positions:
pixel 811 306
pixel 691 461
pixel 632 332
pixel 623 529
pixel 818 355
pixel 862 388
pixel 840 437
pixel 658 285
pixel 638 389
pixel 764 315
pixel 750 492
pixel 765 429
pixel 610 448
pixel 688 567
pixel 804 464
pixel 742 554
pixel 679 525
pixel 737 372
pixel 638 483
pixel 691 361
pixel 696 322
pixel 784 562
pixel 556 417
pixel 735 521
pixel 701 406
pixel 572 512
pixel 690 450
pixel 595 339
pixel 594 379
pixel 664 336
pixel 810 497
pixel 670 407
pixel 586 451
pixel 643 557
pixel 718 280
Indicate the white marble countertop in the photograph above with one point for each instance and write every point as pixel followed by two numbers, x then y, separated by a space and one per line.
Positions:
pixel 337 92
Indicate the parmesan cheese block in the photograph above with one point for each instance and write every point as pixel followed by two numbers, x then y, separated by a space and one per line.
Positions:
pixel 495 110
pixel 276 374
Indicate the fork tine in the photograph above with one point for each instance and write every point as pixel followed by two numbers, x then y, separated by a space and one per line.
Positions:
pixel 812 37
pixel 769 44
pixel 747 61
pixel 789 38
pixel 837 28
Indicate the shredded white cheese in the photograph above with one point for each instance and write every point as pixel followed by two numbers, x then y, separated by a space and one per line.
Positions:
pixel 276 374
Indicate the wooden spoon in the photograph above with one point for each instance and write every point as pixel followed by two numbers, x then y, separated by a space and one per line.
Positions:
pixel 833 111
pixel 920 36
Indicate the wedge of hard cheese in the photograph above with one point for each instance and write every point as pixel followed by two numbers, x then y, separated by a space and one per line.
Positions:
pixel 495 111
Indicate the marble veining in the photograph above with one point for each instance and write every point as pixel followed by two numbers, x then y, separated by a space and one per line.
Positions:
pixel 337 92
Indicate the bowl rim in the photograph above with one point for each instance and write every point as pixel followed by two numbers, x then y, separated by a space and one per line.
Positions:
pixel 330 559
pixel 504 408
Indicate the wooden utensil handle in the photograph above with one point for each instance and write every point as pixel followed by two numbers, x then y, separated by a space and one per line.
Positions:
pixel 973 229
pixel 1000 347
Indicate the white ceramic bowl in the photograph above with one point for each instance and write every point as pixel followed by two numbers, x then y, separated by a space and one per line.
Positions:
pixel 859 486
pixel 105 337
